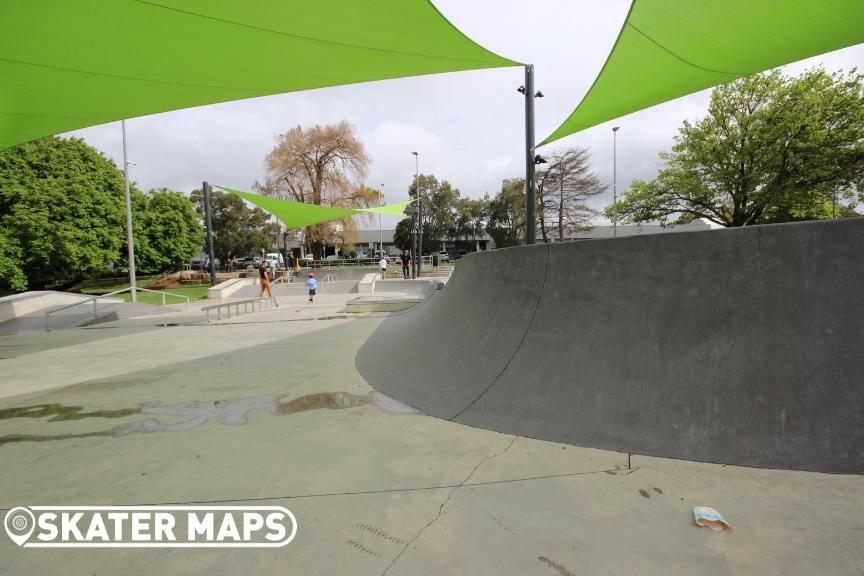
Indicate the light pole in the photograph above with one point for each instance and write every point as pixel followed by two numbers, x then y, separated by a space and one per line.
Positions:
pixel 130 243
pixel 418 247
pixel 380 230
pixel 614 178
pixel 531 159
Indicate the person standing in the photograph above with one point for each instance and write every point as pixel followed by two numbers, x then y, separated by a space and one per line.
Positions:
pixel 406 264
pixel 312 284
pixel 382 264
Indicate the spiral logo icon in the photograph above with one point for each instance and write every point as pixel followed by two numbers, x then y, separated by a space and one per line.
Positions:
pixel 19 524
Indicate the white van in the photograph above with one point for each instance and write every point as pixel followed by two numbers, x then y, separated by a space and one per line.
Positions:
pixel 276 260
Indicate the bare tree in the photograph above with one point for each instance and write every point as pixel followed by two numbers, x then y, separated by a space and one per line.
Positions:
pixel 322 165
pixel 562 191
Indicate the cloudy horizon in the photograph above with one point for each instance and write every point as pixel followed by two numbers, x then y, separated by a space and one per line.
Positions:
pixel 468 127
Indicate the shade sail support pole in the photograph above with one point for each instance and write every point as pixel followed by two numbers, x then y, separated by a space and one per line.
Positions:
pixel 530 216
pixel 208 222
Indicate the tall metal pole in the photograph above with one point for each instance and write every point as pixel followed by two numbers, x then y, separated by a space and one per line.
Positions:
pixel 418 254
pixel 130 243
pixel 381 230
pixel 209 224
pixel 614 178
pixel 530 217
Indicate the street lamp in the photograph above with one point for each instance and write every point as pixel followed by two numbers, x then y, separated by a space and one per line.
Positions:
pixel 531 159
pixel 130 243
pixel 380 230
pixel 614 178
pixel 418 244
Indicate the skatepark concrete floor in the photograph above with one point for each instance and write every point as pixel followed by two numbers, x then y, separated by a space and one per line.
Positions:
pixel 268 408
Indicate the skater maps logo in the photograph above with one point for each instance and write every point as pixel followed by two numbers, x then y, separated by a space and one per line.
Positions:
pixel 150 526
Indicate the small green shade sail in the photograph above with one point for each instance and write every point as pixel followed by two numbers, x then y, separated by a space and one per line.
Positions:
pixel 297 215
pixel 671 48
pixel 68 64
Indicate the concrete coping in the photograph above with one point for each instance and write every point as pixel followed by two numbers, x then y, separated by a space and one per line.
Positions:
pixel 227 288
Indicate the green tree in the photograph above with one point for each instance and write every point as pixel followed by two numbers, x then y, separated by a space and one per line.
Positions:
pixel 61 212
pixel 771 149
pixel 471 217
pixel 167 229
pixel 507 220
pixel 440 205
pixel 237 229
pixel 12 278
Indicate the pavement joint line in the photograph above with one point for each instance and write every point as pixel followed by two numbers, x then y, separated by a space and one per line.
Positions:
pixel 380 491
pixel 444 503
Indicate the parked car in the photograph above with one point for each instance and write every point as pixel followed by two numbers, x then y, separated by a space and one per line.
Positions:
pixel 443 256
pixel 460 253
pixel 243 262
pixel 307 259
pixel 332 258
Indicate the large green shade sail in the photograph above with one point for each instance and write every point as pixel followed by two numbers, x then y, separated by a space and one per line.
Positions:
pixel 671 48
pixel 296 215
pixel 68 64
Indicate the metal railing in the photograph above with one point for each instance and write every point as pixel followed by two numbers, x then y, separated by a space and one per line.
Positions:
pixel 246 302
pixel 95 301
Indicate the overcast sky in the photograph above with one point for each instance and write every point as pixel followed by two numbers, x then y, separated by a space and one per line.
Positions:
pixel 468 127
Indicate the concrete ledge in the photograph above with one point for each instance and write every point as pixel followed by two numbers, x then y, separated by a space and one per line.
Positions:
pixel 18 305
pixel 367 283
pixel 227 288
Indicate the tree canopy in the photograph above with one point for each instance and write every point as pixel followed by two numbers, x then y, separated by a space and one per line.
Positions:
pixel 562 191
pixel 507 219
pixel 237 229
pixel 168 231
pixel 772 149
pixel 61 212
pixel 322 165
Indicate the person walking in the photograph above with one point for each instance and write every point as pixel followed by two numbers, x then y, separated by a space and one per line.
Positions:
pixel 264 275
pixel 312 284
pixel 406 264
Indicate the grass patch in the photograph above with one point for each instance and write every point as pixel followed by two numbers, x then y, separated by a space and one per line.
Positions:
pixel 193 291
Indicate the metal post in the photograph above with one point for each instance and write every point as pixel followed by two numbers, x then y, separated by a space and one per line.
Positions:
pixel 530 217
pixel 381 230
pixel 208 222
pixel 130 243
pixel 418 253
pixel 614 178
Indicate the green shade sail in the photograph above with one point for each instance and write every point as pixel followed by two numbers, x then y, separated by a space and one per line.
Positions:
pixel 297 215
pixel 68 64
pixel 671 48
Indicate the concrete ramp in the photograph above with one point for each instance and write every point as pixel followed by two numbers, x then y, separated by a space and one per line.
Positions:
pixel 734 346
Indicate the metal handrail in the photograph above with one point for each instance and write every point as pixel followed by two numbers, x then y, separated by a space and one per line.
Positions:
pixel 95 301
pixel 236 303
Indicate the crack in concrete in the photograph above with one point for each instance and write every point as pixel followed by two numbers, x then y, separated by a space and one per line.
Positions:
pixel 373 492
pixel 444 503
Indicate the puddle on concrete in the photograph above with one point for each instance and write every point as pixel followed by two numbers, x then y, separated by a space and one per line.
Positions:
pixel 60 413
pixel 229 412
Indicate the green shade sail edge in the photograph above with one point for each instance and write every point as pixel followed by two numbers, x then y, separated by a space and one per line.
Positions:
pixel 296 215
pixel 668 48
pixel 70 64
